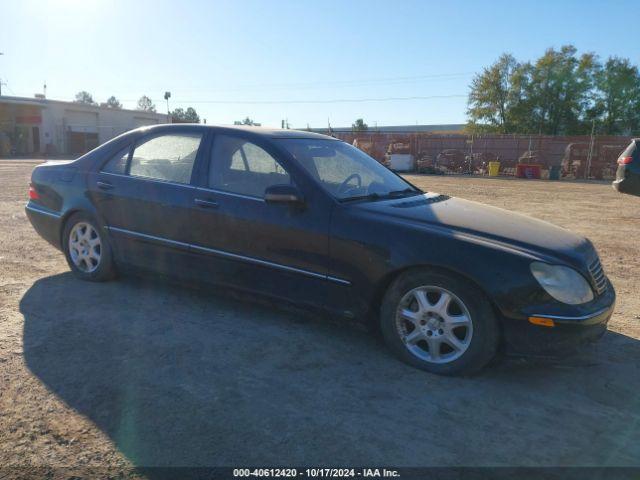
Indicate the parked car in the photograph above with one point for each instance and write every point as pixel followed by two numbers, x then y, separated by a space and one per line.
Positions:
pixel 453 160
pixel 307 218
pixel 426 164
pixel 628 173
pixel 602 165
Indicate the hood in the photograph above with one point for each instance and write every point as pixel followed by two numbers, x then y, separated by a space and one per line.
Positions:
pixel 494 224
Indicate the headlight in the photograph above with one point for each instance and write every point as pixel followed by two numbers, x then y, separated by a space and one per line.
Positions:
pixel 562 283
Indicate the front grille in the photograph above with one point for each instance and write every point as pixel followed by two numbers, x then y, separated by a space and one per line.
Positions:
pixel 598 276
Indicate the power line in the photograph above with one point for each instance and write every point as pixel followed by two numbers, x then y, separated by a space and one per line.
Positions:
pixel 344 83
pixel 381 81
pixel 337 100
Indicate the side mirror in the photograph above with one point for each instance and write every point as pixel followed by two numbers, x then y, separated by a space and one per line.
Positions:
pixel 282 194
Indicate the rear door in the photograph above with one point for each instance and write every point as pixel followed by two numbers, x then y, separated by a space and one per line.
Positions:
pixel 145 195
pixel 277 249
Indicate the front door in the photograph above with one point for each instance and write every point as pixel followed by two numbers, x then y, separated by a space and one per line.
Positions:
pixel 277 249
pixel 145 196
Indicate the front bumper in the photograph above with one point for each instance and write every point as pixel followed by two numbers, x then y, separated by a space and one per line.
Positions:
pixel 568 333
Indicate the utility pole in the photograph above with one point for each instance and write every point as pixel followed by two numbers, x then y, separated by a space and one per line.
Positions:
pixel 167 96
pixel 1 79
pixel 470 163
pixel 587 171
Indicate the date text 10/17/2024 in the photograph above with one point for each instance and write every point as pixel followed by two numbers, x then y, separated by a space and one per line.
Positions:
pixel 316 472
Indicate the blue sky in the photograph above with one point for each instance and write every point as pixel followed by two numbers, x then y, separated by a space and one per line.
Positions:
pixel 206 52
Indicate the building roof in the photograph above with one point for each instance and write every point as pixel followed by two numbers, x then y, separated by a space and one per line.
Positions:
pixel 43 102
pixel 452 127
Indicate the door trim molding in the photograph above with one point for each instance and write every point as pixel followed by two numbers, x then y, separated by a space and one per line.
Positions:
pixel 231 194
pixel 149 179
pixel 41 211
pixel 233 256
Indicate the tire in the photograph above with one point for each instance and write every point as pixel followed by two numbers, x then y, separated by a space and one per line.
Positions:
pixel 87 249
pixel 415 318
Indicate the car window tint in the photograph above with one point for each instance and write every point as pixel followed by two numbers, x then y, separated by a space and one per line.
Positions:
pixel 117 163
pixel 237 161
pixel 242 167
pixel 333 170
pixel 167 157
pixel 342 169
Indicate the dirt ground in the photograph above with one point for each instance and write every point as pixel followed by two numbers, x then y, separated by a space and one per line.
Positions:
pixel 135 372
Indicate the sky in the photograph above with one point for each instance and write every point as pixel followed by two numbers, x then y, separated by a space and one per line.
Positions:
pixel 389 62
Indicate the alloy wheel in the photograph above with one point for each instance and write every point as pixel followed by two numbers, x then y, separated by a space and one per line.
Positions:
pixel 85 247
pixel 434 324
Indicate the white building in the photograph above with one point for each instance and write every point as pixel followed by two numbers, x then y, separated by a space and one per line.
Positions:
pixel 42 126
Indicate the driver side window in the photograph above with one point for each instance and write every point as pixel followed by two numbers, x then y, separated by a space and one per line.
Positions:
pixel 241 167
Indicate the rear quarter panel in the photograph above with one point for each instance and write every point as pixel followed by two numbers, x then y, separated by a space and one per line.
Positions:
pixel 62 189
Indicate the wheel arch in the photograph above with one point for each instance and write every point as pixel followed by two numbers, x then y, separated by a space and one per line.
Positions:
pixel 385 282
pixel 71 212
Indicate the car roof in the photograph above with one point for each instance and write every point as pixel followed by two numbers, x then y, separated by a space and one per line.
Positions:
pixel 272 133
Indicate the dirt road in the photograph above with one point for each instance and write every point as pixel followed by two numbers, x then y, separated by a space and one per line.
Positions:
pixel 140 373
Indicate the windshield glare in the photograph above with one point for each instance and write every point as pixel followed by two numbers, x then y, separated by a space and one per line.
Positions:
pixel 345 171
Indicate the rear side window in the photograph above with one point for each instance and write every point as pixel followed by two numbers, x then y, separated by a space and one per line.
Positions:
pixel 117 163
pixel 166 157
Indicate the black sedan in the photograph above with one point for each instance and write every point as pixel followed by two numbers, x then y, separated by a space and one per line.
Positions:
pixel 628 173
pixel 310 219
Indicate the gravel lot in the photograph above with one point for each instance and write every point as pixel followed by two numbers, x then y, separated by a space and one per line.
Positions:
pixel 135 372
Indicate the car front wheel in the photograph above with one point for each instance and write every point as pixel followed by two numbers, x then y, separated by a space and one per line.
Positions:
pixel 87 249
pixel 439 323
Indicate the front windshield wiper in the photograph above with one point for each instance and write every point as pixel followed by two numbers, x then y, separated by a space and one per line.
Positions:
pixel 399 193
pixel 379 196
pixel 369 196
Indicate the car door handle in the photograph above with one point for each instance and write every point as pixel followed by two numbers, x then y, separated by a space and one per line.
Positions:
pixel 104 185
pixel 206 203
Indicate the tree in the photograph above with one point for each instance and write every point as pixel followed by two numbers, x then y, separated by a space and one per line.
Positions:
pixel 84 97
pixel 246 121
pixel 359 126
pixel 181 116
pixel 146 104
pixel 617 98
pixel 556 94
pixel 493 95
pixel 112 102
pixel 560 86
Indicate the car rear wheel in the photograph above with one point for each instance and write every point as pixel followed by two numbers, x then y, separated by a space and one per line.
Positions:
pixel 87 249
pixel 439 323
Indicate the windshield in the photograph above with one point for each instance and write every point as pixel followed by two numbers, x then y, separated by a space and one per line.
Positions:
pixel 346 172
